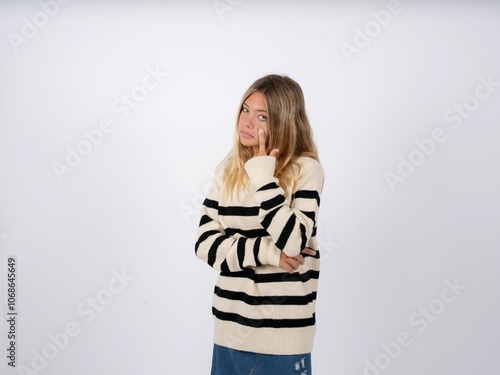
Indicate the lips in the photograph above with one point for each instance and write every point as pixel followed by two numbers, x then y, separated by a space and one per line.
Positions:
pixel 246 135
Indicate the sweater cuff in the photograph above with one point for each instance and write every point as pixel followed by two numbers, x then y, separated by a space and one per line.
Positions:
pixel 274 257
pixel 260 170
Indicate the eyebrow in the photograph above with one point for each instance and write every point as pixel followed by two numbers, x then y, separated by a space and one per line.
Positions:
pixel 258 110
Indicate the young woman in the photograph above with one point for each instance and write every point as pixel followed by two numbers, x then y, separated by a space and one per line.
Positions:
pixel 258 228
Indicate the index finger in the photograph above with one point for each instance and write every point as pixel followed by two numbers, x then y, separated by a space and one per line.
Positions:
pixel 262 143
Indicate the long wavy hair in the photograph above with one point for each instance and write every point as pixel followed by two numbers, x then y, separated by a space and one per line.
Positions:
pixel 289 131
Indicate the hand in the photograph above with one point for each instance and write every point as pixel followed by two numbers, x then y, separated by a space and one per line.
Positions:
pixel 262 146
pixel 291 264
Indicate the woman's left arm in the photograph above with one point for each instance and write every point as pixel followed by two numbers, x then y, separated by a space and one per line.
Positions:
pixel 290 226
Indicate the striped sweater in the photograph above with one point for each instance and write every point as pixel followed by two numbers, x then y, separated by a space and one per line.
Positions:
pixel 258 306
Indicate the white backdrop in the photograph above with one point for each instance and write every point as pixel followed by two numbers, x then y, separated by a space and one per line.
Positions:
pixel 114 115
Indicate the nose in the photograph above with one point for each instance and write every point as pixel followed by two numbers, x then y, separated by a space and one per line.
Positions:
pixel 247 120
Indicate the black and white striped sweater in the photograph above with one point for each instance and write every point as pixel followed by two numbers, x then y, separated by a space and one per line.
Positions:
pixel 258 306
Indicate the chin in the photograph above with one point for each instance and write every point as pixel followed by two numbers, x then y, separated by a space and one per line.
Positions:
pixel 246 143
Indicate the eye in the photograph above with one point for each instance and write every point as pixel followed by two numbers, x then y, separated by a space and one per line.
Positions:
pixel 244 109
pixel 262 118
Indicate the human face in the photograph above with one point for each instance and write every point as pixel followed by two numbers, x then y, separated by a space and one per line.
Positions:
pixel 253 116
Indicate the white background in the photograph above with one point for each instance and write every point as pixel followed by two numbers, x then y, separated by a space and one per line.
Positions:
pixel 131 205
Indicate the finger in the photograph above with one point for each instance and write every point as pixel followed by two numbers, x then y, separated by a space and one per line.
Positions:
pixel 262 142
pixel 294 264
pixel 289 268
pixel 309 251
pixel 285 265
pixel 297 261
pixel 274 152
pixel 300 259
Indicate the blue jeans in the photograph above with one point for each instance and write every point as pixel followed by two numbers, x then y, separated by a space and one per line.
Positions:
pixel 226 361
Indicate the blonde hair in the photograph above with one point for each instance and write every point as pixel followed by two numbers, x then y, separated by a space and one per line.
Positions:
pixel 289 131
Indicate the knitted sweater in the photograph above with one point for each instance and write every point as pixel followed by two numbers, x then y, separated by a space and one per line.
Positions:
pixel 258 306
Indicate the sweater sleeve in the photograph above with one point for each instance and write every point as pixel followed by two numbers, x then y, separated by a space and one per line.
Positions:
pixel 290 226
pixel 229 253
